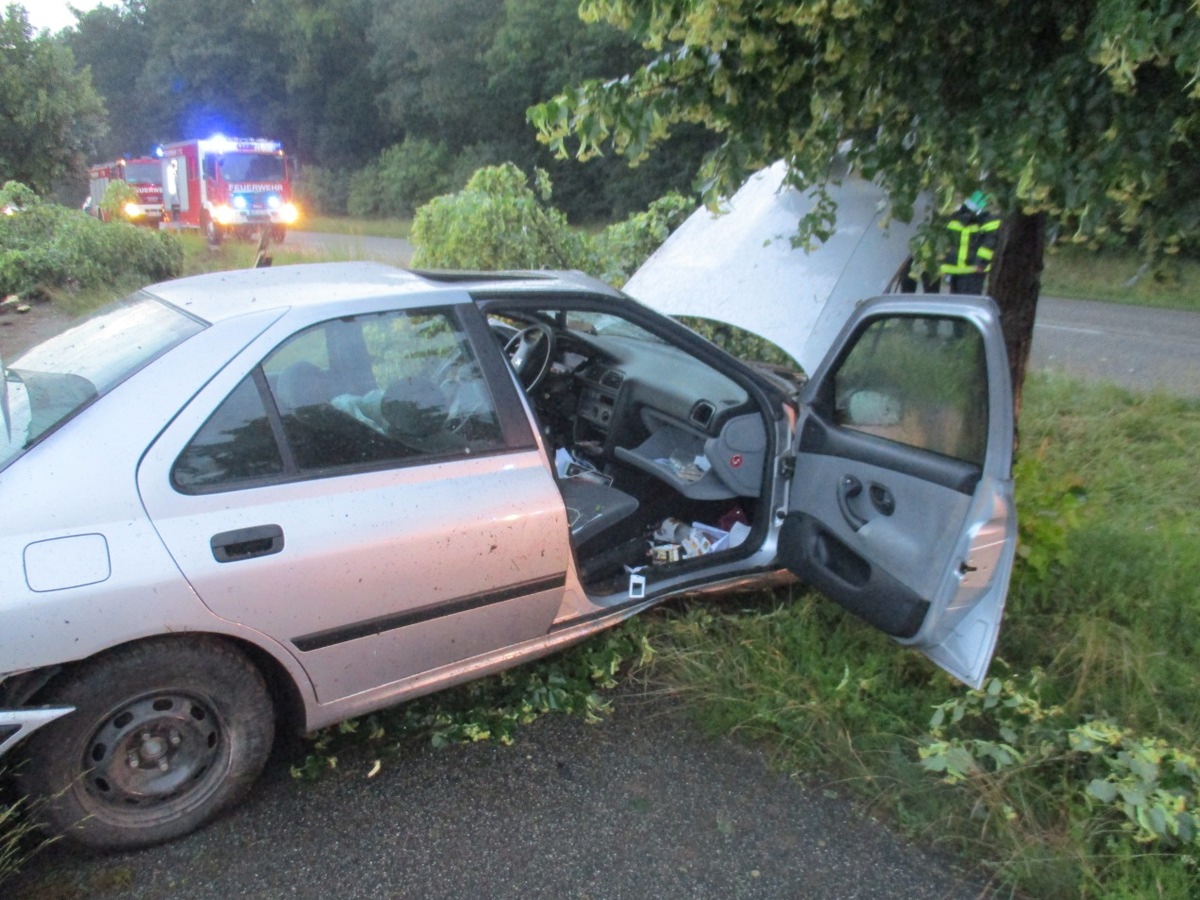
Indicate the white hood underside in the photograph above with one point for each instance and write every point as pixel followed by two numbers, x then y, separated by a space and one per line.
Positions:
pixel 739 267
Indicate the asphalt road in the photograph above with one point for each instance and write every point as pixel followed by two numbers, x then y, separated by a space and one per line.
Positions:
pixel 639 806
pixel 1137 348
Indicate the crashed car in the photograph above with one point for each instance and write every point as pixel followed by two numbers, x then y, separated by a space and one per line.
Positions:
pixel 304 493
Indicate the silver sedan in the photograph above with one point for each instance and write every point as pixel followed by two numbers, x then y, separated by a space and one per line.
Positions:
pixel 304 493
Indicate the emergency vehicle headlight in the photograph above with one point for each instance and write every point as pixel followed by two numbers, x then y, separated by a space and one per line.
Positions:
pixel 132 210
pixel 273 201
pixel 223 215
pixel 289 214
pixel 239 202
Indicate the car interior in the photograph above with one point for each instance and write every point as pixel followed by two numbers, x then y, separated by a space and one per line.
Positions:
pixel 648 442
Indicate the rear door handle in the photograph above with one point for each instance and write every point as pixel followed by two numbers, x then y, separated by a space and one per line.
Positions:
pixel 246 543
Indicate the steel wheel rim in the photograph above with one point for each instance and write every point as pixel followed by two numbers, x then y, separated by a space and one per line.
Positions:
pixel 160 753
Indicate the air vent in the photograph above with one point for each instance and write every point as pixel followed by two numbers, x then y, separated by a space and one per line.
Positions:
pixel 702 413
pixel 612 379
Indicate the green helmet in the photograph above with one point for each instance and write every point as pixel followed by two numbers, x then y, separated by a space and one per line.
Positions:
pixel 977 202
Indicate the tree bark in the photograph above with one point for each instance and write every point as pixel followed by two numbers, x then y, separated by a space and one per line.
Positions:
pixel 1016 281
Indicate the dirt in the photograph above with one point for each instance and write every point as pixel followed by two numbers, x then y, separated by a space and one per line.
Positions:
pixel 21 330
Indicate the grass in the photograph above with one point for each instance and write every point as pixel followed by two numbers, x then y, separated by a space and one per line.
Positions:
pixel 1078 273
pixel 391 228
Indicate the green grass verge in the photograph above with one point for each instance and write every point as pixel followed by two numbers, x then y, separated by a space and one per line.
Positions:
pixel 391 228
pixel 1078 273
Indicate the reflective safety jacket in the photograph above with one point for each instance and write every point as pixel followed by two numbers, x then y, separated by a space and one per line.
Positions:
pixel 975 242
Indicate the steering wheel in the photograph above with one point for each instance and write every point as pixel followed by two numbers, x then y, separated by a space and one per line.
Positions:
pixel 531 351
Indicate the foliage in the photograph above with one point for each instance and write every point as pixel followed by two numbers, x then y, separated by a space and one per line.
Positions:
pixel 116 195
pixel 1105 94
pixel 624 246
pixel 498 221
pixel 1050 511
pixel 983 739
pixel 322 191
pixel 404 177
pixel 341 81
pixel 52 116
pixel 493 708
pixel 48 246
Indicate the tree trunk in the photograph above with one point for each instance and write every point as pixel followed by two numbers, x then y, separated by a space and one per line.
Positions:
pixel 1016 281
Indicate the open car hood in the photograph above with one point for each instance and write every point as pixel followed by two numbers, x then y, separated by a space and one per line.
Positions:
pixel 739 267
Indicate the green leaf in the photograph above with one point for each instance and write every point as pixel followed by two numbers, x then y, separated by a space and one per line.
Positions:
pixel 1104 791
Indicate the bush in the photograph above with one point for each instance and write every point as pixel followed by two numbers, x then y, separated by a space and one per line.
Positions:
pixel 624 246
pixel 322 191
pixel 499 222
pixel 405 176
pixel 44 245
pixel 116 195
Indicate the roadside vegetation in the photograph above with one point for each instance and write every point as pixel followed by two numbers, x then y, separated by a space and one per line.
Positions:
pixel 1073 772
pixel 1121 276
pixel 46 248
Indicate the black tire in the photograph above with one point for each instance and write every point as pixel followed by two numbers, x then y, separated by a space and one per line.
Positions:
pixel 166 734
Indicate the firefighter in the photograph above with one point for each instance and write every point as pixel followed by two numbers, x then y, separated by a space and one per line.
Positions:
pixel 973 230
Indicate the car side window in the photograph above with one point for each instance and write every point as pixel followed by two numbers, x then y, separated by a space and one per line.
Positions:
pixel 393 388
pixel 235 445
pixel 918 381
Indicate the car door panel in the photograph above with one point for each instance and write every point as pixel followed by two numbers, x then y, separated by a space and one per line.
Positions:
pixel 382 575
pixel 901 510
pixel 403 535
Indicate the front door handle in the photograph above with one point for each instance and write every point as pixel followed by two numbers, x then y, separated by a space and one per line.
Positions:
pixel 246 543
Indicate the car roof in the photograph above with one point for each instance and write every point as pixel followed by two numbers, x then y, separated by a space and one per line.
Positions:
pixel 221 295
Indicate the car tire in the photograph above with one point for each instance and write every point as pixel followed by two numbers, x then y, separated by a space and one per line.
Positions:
pixel 166 734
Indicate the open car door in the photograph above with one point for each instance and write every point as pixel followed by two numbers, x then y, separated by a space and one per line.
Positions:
pixel 901 503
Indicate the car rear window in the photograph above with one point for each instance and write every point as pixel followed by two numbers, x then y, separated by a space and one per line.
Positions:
pixel 52 381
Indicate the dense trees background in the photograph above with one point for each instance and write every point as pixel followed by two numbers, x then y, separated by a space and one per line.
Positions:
pixel 345 83
pixel 50 117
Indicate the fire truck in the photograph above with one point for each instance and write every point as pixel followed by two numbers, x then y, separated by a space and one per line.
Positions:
pixel 143 174
pixel 227 186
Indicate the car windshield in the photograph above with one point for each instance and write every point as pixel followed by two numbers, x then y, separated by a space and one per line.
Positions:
pixel 50 382
pixel 252 167
pixel 144 173
pixel 608 324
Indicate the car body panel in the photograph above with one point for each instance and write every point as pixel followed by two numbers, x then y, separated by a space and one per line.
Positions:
pixel 81 480
pixel 738 265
